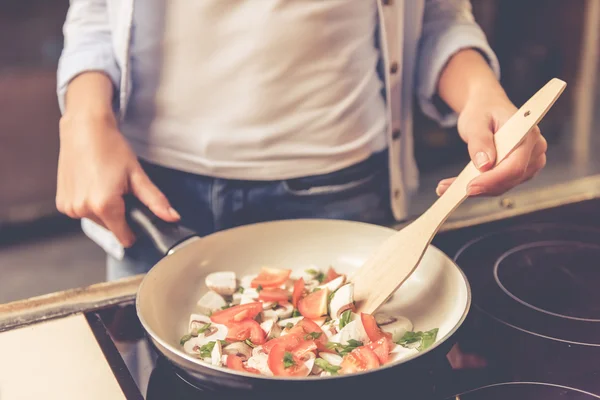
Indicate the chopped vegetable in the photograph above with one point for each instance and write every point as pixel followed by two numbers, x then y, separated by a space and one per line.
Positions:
pixel 288 360
pixel 325 366
pixel 341 349
pixel 345 318
pixel 426 339
pixel 184 339
pixel 206 350
pixel 203 329
pixel 322 335
pixel 313 335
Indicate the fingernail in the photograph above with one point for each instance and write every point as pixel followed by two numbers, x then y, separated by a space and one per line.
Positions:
pixel 474 190
pixel 440 189
pixel 481 159
pixel 174 213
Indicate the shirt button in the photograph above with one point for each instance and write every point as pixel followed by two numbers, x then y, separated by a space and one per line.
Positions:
pixel 387 2
pixel 394 67
pixel 396 134
pixel 397 193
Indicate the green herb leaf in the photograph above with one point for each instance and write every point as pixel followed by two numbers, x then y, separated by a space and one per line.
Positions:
pixel 345 318
pixel 296 313
pixel 289 325
pixel 320 277
pixel 240 290
pixel 325 366
pixel 313 335
pixel 259 288
pixel 312 271
pixel 226 306
pixel 428 339
pixel 249 343
pixel 425 339
pixel 288 360
pixel 341 349
pixel 203 329
pixel 316 289
pixel 206 350
pixel 184 339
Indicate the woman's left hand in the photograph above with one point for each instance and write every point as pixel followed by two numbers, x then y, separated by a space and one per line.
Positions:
pixel 481 117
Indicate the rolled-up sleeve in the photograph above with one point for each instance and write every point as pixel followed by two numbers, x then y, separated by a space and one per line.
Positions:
pixel 87 45
pixel 448 27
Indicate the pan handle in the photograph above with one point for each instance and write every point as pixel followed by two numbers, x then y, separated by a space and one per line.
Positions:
pixel 164 235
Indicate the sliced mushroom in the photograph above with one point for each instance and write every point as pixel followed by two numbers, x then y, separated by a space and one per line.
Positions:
pixel 268 305
pixel 210 333
pixel 197 321
pixel 191 345
pixel 309 363
pixel 383 318
pixel 398 328
pixel 272 330
pixel 246 281
pixel 284 310
pixel 342 299
pixel 268 315
pixel 222 282
pixel 400 353
pixel 353 330
pixel 216 354
pixel 331 358
pixel 334 284
pixel 238 349
pixel 259 361
pixel 320 321
pixel 331 328
pixel 293 321
pixel 211 302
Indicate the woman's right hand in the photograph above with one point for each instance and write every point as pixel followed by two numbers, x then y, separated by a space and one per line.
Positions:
pixel 96 167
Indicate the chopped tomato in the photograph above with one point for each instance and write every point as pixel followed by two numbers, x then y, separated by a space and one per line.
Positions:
pixel 240 331
pixel 284 363
pixel 372 329
pixel 381 348
pixel 289 341
pixel 237 313
pixel 298 292
pixel 235 362
pixel 270 277
pixel 331 275
pixel 360 359
pixel 305 347
pixel 310 331
pixel 314 305
pixel 273 294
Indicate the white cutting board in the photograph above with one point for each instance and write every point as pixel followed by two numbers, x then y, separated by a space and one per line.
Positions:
pixel 57 359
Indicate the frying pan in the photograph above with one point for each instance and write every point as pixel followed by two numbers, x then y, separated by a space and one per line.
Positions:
pixel 437 295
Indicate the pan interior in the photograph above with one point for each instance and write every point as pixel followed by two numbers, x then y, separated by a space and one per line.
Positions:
pixel 435 296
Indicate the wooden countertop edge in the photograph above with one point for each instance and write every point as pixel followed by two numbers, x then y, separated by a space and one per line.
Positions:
pixel 106 294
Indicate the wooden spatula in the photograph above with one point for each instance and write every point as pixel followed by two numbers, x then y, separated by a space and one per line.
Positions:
pixel 397 258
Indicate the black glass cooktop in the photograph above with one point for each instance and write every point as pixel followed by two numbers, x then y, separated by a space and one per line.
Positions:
pixel 533 332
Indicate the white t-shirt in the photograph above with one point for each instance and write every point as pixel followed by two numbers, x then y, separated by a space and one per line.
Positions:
pixel 260 90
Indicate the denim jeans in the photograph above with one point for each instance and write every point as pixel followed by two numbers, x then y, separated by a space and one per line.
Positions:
pixel 357 193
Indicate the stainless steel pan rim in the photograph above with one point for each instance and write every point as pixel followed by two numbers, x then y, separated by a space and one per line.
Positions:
pixel 180 354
